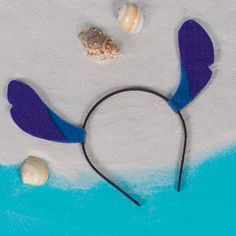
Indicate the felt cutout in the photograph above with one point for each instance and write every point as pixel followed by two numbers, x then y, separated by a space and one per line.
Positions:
pixel 33 116
pixel 196 55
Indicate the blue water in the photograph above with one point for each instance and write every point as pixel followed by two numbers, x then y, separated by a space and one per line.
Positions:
pixel 206 206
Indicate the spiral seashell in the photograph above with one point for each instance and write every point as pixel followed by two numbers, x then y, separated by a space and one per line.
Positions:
pixel 98 44
pixel 34 171
pixel 131 18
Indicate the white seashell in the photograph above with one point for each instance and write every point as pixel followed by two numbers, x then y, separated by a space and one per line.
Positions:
pixel 131 18
pixel 34 171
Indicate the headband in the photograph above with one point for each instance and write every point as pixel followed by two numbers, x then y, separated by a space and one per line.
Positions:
pixel 33 116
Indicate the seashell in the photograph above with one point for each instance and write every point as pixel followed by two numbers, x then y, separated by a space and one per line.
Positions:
pixel 34 171
pixel 131 18
pixel 98 44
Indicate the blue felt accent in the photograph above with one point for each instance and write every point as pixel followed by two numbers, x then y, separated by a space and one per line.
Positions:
pixel 33 116
pixel 30 113
pixel 196 55
pixel 72 133
pixel 182 95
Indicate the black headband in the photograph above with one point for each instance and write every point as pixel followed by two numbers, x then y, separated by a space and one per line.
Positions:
pixel 125 90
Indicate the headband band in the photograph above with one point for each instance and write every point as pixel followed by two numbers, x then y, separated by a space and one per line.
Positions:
pixel 125 90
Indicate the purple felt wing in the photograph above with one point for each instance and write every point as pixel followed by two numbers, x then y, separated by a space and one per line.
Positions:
pixel 34 117
pixel 196 55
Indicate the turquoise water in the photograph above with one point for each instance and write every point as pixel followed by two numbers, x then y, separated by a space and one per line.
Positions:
pixel 206 206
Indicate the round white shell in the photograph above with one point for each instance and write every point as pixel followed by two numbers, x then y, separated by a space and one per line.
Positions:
pixel 131 18
pixel 34 171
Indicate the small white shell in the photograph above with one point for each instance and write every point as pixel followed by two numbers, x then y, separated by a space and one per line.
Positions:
pixel 34 171
pixel 131 18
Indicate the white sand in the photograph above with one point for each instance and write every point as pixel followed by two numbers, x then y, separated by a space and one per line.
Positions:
pixel 137 133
